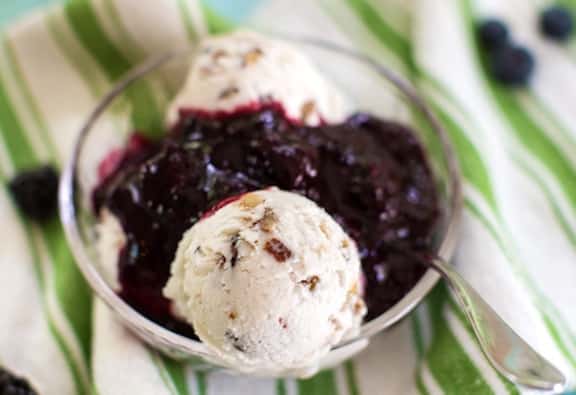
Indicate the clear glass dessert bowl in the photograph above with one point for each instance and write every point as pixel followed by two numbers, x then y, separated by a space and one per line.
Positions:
pixel 138 102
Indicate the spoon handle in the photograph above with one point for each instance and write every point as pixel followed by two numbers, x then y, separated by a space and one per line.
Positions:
pixel 504 348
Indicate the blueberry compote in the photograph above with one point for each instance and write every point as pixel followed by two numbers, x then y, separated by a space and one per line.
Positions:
pixel 370 174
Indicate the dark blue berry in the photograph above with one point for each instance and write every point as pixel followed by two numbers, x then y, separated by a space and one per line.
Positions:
pixel 493 34
pixel 36 192
pixel 556 22
pixel 12 385
pixel 512 65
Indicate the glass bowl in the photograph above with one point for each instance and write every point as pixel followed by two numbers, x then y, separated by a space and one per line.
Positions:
pixel 137 103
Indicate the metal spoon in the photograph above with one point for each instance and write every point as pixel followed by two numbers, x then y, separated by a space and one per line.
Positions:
pixel 504 348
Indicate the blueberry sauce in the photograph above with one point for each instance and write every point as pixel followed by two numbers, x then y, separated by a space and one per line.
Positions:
pixel 370 174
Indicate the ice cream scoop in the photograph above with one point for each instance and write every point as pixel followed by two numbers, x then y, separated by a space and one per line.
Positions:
pixel 269 281
pixel 244 68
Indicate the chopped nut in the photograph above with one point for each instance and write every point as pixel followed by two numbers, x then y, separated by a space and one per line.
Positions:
pixel 321 248
pixel 235 340
pixel 228 92
pixel 278 250
pixel 336 323
pixel 345 243
pixel 206 71
pixel 219 53
pixel 282 323
pixel 354 289
pixel 268 220
pixel 311 282
pixel 220 260
pixel 250 200
pixel 252 57
pixel 232 315
pixel 308 108
pixel 358 307
pixel 234 248
pixel 324 229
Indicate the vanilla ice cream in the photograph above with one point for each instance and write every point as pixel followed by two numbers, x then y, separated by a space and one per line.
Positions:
pixel 270 282
pixel 244 68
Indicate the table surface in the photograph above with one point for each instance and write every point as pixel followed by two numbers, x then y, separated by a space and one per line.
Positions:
pixel 10 9
pixel 234 10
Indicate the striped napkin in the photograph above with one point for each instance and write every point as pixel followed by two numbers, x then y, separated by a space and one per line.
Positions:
pixel 517 149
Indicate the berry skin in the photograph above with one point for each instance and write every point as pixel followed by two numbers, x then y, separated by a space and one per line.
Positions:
pixel 512 65
pixel 557 23
pixel 36 192
pixel 493 34
pixel 12 385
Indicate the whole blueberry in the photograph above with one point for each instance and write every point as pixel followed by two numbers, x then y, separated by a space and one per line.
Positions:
pixel 493 33
pixel 556 22
pixel 512 65
pixel 35 192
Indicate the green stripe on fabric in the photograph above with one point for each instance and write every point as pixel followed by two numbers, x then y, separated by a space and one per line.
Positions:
pixel 435 302
pixel 158 362
pixel 351 380
pixel 550 324
pixel 21 153
pixel 95 390
pixel 543 108
pixel 187 19
pixel 135 55
pixel 457 311
pixel 79 60
pixel 33 108
pixel 570 4
pixel 324 383
pixel 473 167
pixel 71 289
pixel 443 91
pixel 33 251
pixel 202 383
pixel 422 390
pixel 417 337
pixel 84 21
pixel 391 39
pixel 81 388
pixel 84 65
pixel 215 22
pixel 22 156
pixel 281 387
pixel 559 322
pixel 560 218
pixel 177 373
pixel 489 227
pixel 39 274
pixel 451 366
pixel 130 46
pixel 535 140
